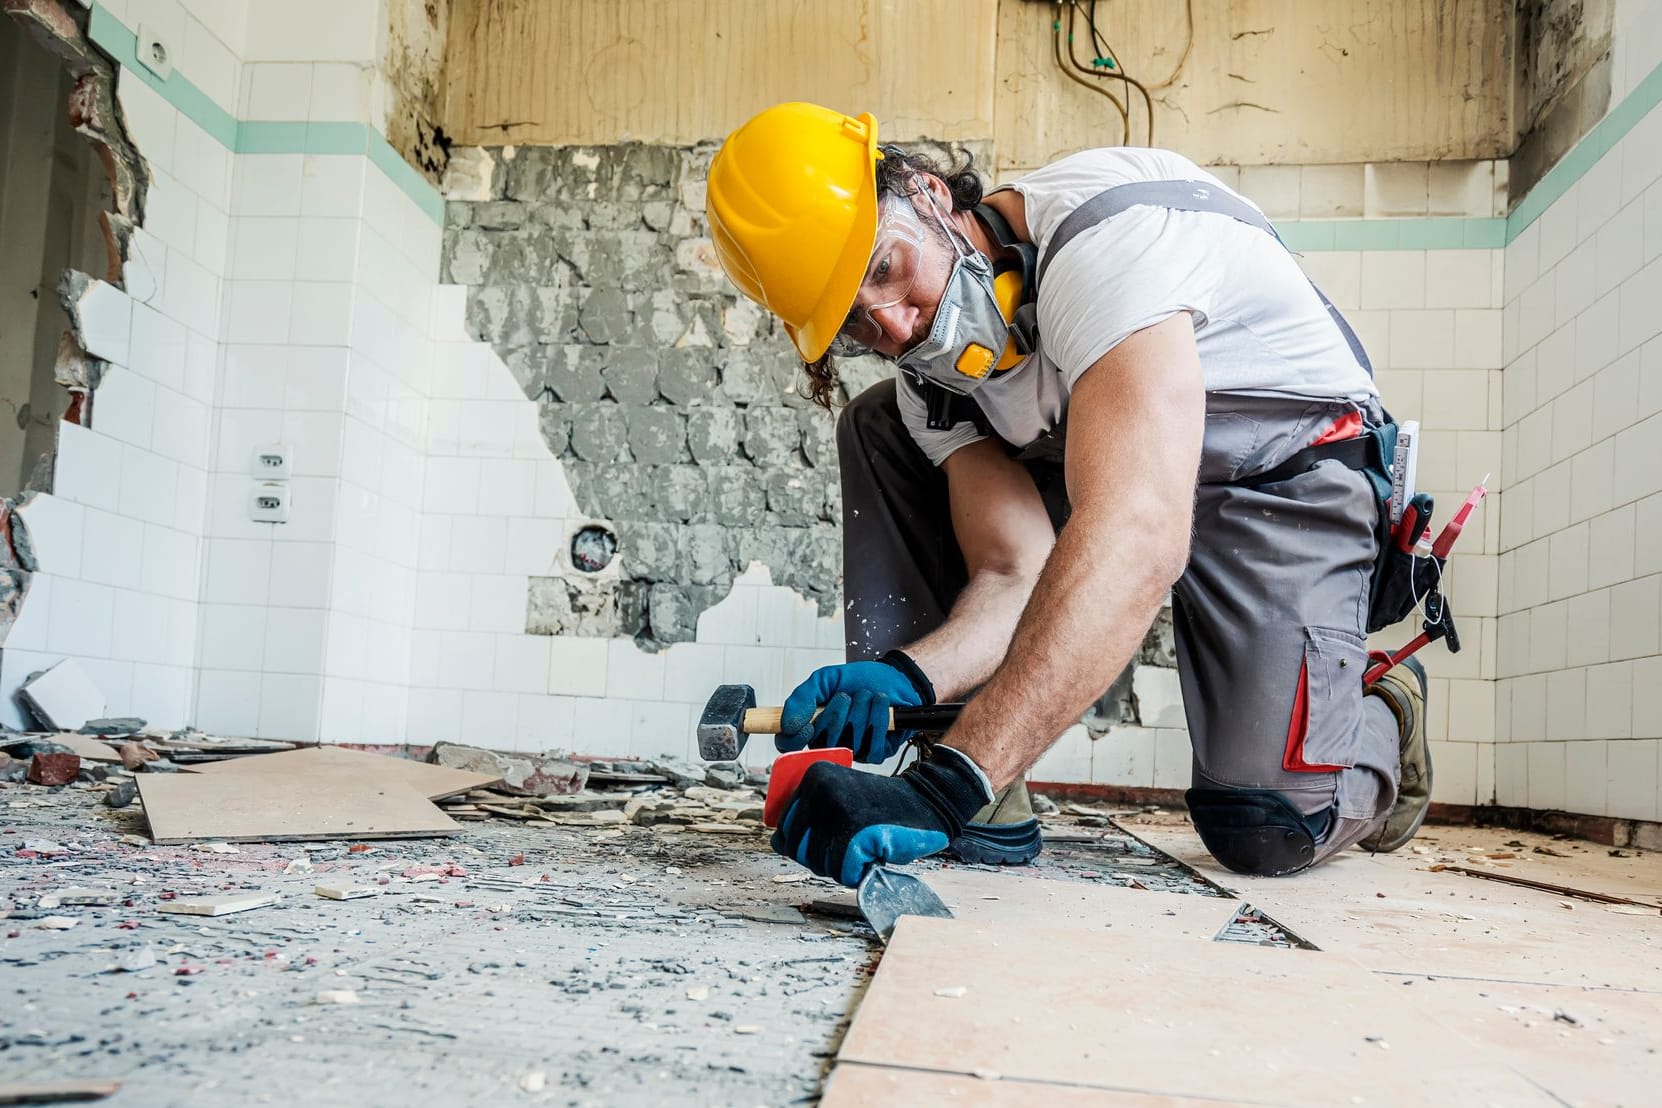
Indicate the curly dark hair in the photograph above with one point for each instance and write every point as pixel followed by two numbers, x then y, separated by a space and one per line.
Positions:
pixel 894 173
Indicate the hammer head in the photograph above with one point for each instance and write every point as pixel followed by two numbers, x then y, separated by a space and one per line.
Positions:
pixel 721 733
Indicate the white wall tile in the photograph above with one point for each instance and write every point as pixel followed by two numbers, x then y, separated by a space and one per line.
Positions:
pixel 343 710
pixel 290 706
pixel 1512 774
pixel 1174 759
pixel 140 627
pixel 1611 547
pixel 435 715
pixel 54 526
pixel 150 119
pixel 1610 701
pixel 238 571
pixel 266 184
pixel 1577 280
pixel 200 161
pixel 1634 618
pixel 633 673
pixel 294 640
pixel 1396 189
pixel 258 311
pixel 278 91
pixel 1068 758
pixel 1338 273
pixel 522 664
pixel 578 666
pixel 1586 777
pixel 233 635
pixel 1546 775
pixel 1461 279
pixel 322 313
pixel 1394 279
pixel 1633 772
pixel 171 562
pixel 546 723
pixel 228 701
pixel 264 248
pixel 1588 628
pixel 1455 781
pixel 163 695
pixel 497 603
pixel 108 545
pixel 490 719
pixel 1422 339
pixel 1567 705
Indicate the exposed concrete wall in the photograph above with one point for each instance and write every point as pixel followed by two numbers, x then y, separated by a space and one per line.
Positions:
pixel 671 400
pixel 1562 78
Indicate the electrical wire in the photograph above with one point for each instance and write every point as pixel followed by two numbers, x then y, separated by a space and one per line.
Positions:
pixel 1106 51
pixel 1056 46
pixel 1188 45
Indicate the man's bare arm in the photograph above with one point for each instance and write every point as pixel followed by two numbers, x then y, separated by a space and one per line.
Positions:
pixel 1005 535
pixel 1135 422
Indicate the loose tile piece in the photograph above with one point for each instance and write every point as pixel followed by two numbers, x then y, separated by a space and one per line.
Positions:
pixel 218 905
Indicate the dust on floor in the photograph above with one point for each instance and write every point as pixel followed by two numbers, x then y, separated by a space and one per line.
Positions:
pixel 512 962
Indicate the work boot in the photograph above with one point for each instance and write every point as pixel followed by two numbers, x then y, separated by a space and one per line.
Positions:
pixel 1004 833
pixel 1403 691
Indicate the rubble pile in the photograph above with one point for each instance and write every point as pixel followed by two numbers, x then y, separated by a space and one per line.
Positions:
pixel 664 795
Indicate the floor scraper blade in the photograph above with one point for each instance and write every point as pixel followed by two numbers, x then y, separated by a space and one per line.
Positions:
pixel 885 895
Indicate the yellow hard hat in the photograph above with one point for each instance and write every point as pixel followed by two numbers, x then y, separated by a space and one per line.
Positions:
pixel 792 205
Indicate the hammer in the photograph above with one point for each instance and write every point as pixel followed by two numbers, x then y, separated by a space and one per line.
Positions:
pixel 731 716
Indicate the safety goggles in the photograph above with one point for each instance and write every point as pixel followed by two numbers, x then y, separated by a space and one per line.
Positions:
pixel 896 259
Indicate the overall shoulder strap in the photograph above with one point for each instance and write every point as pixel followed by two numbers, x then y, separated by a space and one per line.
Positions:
pixel 1188 196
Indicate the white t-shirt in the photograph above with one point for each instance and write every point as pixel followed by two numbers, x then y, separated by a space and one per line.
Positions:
pixel 1259 325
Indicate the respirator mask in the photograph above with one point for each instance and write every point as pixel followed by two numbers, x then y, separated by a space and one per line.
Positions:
pixel 970 339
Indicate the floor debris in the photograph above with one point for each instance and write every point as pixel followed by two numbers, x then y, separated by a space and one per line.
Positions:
pixel 219 905
pixel 283 807
pixel 56 1092
pixel 62 696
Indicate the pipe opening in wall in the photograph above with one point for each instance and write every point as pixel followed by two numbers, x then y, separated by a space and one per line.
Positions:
pixel 592 548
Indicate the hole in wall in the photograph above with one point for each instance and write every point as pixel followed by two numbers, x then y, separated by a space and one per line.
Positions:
pixel 592 548
pixel 49 205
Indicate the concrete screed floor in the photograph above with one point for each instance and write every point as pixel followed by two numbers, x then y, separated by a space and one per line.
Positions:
pixel 619 966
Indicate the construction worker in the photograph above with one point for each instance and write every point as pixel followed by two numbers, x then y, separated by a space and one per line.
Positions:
pixel 1120 343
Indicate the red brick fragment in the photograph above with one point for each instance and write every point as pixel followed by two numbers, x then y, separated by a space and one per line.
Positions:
pixel 54 769
pixel 517 860
pixel 357 848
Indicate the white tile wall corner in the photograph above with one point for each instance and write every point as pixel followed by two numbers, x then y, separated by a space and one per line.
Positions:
pixel 1579 594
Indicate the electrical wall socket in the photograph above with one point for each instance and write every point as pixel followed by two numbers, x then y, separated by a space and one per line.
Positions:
pixel 271 463
pixel 269 503
pixel 154 52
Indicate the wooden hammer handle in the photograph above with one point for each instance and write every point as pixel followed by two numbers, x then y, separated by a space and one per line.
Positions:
pixel 765 721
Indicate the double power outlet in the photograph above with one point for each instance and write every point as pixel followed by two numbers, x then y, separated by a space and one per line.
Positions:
pixel 271 467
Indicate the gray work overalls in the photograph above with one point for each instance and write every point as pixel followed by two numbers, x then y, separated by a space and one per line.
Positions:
pixel 1270 615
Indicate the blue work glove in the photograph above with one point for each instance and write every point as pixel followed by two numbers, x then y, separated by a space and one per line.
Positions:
pixel 843 820
pixel 856 698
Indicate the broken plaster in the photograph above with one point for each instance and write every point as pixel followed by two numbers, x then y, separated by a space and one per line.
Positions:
pixel 96 115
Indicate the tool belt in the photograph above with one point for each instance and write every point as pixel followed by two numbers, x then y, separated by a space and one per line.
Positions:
pixel 1401 579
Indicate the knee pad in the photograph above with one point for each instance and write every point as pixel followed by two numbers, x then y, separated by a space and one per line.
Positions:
pixel 1256 831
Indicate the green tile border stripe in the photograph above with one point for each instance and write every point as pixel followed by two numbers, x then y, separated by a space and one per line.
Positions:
pixel 251 136
pixel 1600 139
pixel 1309 236
pixel 1453 233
